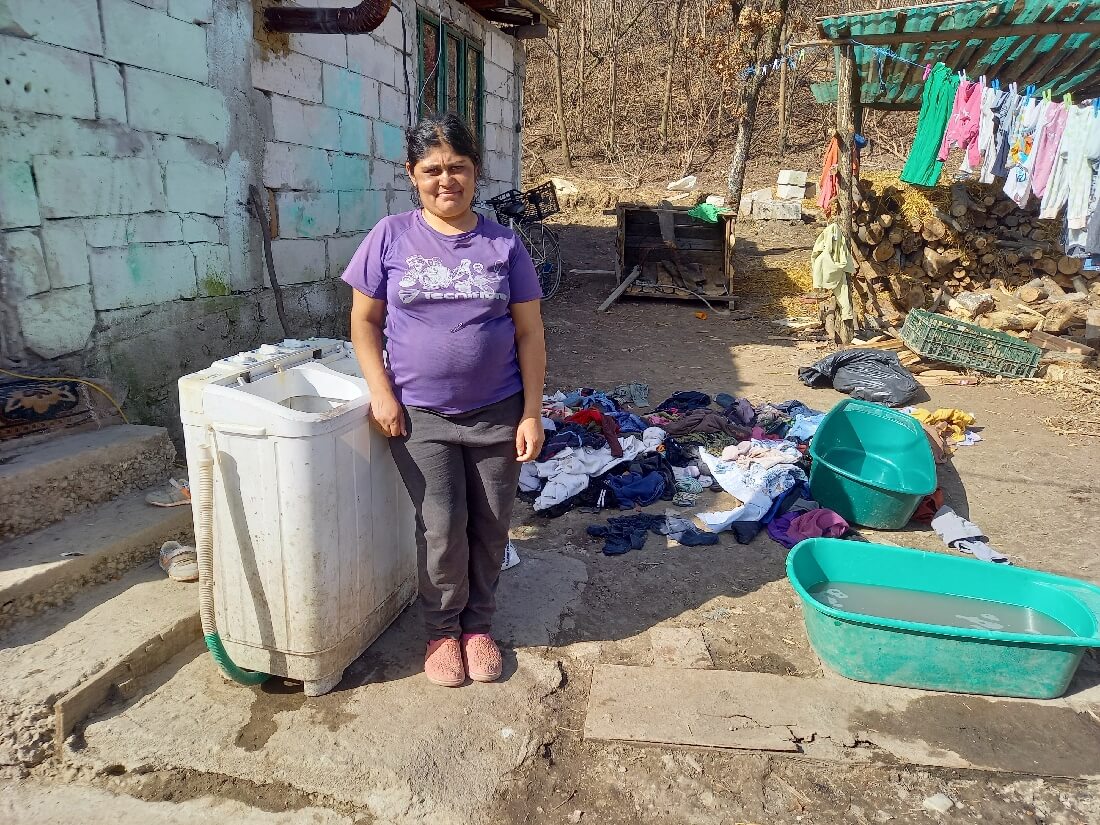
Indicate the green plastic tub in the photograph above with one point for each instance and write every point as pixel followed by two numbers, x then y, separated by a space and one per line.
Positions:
pixel 933 656
pixel 871 464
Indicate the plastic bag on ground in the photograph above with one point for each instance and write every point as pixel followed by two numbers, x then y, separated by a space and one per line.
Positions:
pixel 866 374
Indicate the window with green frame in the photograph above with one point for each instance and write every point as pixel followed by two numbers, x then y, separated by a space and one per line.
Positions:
pixel 452 72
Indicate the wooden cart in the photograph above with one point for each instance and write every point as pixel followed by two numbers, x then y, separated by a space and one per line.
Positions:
pixel 676 256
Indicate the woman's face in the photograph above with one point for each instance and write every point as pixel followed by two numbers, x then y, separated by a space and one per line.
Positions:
pixel 445 181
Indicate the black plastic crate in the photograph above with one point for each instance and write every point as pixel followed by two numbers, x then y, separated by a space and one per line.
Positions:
pixel 527 207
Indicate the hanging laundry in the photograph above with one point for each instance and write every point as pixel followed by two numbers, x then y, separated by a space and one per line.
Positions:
pixel 1021 154
pixel 995 104
pixel 1079 203
pixel 962 126
pixel 827 185
pixel 923 168
pixel 1046 147
pixel 832 263
pixel 1008 126
pixel 1070 150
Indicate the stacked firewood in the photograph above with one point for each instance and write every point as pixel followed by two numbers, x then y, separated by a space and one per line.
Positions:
pixel 972 252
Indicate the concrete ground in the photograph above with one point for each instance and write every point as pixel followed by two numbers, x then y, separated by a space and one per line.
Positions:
pixel 386 747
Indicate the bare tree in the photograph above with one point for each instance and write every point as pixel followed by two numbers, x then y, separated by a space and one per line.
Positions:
pixel 673 39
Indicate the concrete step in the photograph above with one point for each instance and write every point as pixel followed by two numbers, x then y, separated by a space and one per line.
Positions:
pixel 61 665
pixel 112 538
pixel 43 483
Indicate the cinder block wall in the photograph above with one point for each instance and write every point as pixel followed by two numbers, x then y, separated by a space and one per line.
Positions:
pixel 130 131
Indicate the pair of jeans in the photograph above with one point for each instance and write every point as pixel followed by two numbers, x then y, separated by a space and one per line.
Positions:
pixel 461 473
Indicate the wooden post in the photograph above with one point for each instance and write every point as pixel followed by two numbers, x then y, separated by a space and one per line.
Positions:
pixel 847 104
pixel 783 107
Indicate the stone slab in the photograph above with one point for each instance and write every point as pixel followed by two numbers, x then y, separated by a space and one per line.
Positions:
pixel 378 740
pixel 46 658
pixel 680 647
pixel 164 104
pixel 45 79
pixel 18 200
pixel 73 24
pixel 58 322
pixel 840 720
pixel 73 472
pixel 791 177
pixel 151 39
pixel 87 186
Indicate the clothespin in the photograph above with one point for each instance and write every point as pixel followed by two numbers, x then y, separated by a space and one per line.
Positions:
pixel 927 70
pixel 1029 91
pixel 1067 99
pixel 996 84
pixel 1096 106
pixel 1048 95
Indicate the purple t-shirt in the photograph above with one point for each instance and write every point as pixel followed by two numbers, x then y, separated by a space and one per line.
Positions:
pixel 449 333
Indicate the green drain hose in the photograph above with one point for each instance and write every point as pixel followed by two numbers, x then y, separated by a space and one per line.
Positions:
pixel 204 549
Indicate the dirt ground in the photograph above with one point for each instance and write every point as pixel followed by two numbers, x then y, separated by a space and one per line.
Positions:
pixel 1033 491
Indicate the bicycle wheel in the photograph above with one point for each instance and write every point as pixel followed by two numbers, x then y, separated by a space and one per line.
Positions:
pixel 543 245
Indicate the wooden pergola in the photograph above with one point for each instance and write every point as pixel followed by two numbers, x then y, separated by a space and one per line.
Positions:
pixel 1051 44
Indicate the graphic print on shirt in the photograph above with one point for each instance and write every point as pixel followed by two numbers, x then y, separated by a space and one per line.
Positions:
pixel 432 279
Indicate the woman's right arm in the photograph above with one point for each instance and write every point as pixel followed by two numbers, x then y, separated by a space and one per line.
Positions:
pixel 367 317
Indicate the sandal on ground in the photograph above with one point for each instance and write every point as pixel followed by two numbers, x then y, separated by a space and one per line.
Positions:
pixel 179 561
pixel 482 657
pixel 175 494
pixel 443 663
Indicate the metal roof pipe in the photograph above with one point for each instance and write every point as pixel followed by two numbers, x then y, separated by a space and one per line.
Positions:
pixel 365 17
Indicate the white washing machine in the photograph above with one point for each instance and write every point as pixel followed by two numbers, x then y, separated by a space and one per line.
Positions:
pixel 314 548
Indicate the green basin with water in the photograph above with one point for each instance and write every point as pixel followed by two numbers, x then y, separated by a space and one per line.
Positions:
pixel 871 464
pixel 912 637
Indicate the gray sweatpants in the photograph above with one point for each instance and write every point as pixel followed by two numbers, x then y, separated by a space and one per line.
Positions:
pixel 461 472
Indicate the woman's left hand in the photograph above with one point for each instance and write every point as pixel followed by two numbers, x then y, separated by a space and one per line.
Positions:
pixel 529 438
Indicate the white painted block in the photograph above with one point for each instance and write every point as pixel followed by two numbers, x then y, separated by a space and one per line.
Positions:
pixel 140 275
pixel 355 134
pixel 349 91
pixel 28 267
pixel 293 75
pixel 351 172
pixel 212 268
pixel 369 57
pixel 153 227
pixel 392 34
pixel 791 177
pixel 192 11
pixel 300 260
pixel 200 228
pixel 57 323
pixel 287 166
pixel 328 48
pixel 392 106
pixel 790 192
pixel 66 253
pixel 307 214
pixel 305 123
pixel 389 143
pixel 399 201
pixel 383 174
pixel 72 23
pixel 46 79
pixel 340 252
pixel 110 93
pixel 18 200
pixel 159 103
pixel 143 37
pixel 89 186
pixel 195 187
pixel 360 211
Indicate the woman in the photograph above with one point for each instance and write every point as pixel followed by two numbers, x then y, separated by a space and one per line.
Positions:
pixel 460 395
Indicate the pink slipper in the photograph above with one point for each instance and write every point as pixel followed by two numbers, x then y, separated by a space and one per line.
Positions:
pixel 482 657
pixel 443 663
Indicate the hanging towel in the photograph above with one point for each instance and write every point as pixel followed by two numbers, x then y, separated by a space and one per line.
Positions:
pixel 962 127
pixel 923 167
pixel 832 264
pixel 827 187
pixel 1046 147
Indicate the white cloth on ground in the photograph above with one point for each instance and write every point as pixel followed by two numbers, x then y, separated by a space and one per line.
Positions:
pixel 569 472
pixel 724 519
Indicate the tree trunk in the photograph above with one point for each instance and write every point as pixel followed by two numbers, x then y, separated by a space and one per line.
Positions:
pixel 673 41
pixel 567 158
pixel 766 46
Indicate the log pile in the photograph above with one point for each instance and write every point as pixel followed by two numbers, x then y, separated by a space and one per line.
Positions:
pixel 970 252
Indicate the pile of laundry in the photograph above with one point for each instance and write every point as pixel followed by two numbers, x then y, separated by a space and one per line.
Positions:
pixel 603 452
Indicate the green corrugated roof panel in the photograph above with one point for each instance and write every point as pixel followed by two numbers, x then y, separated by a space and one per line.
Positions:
pixel 1062 62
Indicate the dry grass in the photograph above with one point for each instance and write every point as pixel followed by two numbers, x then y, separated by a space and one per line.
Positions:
pixel 775 290
pixel 917 202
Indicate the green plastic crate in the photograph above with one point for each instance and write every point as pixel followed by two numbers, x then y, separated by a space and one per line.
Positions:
pixel 894 651
pixel 968 345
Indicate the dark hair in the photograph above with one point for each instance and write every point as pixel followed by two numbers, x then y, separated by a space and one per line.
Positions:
pixel 435 131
